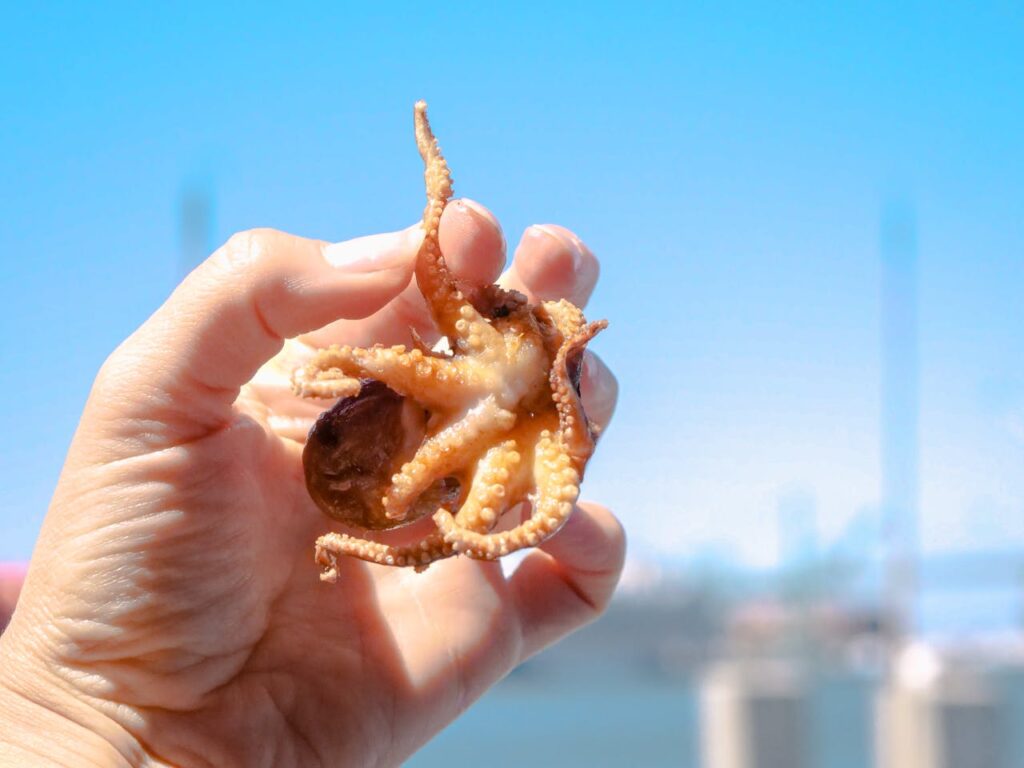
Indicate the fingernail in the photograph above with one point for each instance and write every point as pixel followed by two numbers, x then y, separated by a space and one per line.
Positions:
pixel 482 214
pixel 375 253
pixel 572 245
pixel 478 210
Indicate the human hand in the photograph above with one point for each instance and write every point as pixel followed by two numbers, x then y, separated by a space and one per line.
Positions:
pixel 173 613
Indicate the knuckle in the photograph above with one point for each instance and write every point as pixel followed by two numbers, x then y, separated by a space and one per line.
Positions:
pixel 109 372
pixel 118 372
pixel 245 249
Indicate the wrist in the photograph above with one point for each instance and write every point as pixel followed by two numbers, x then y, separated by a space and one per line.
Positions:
pixel 43 725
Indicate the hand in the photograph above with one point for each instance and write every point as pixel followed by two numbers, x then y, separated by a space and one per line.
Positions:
pixel 173 613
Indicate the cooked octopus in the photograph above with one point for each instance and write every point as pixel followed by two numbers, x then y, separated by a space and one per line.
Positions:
pixel 464 431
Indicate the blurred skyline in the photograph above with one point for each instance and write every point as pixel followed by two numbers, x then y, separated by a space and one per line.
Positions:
pixel 730 165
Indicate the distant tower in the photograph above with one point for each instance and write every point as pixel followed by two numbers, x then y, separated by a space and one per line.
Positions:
pixel 195 225
pixel 798 562
pixel 798 539
pixel 899 414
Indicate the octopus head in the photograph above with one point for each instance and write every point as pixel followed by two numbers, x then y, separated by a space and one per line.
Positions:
pixel 350 453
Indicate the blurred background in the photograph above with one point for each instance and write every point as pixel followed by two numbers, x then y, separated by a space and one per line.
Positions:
pixel 811 226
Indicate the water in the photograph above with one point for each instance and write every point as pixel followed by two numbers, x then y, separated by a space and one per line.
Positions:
pixel 649 725
pixel 622 723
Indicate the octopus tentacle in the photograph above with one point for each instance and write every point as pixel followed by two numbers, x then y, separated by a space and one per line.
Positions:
pixel 557 485
pixel 566 317
pixel 445 452
pixel 430 377
pixel 324 383
pixel 574 429
pixel 500 473
pixel 331 546
pixel 499 482
pixel 455 317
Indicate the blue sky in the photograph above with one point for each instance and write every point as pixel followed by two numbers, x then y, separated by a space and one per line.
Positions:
pixel 729 163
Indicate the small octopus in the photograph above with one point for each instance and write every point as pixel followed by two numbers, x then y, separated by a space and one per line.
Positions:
pixel 489 418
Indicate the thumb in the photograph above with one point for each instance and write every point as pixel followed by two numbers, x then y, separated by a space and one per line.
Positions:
pixel 181 371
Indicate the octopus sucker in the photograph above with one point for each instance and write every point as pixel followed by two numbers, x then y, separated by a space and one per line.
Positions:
pixel 459 433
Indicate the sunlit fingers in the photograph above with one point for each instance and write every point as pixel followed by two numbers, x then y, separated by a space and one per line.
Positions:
pixel 474 248
pixel 552 263
pixel 569 581
pixel 472 242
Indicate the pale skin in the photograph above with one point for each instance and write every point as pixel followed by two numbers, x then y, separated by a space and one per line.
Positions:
pixel 173 614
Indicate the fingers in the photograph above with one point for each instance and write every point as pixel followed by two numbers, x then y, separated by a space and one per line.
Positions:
pixel 599 390
pixel 569 581
pixel 472 241
pixel 552 263
pixel 232 313
pixel 474 248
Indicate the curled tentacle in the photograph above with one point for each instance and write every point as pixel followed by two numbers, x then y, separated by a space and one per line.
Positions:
pixel 557 485
pixel 324 383
pixel 499 478
pixel 446 452
pixel 574 428
pixel 331 546
pixel 430 377
pixel 454 315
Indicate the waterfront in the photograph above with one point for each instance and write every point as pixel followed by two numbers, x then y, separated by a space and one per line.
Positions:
pixel 721 677
pixel 597 724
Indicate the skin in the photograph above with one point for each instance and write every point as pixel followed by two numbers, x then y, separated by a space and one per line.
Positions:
pixel 172 613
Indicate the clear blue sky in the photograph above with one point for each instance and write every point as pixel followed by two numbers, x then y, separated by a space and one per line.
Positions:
pixel 729 163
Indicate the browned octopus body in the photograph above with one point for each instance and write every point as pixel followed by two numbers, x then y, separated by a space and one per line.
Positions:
pixel 463 434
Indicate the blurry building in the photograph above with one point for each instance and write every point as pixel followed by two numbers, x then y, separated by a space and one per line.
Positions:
pixel 931 717
pixel 754 717
pixel 666 636
pixel 195 225
pixel 782 714
pixel 899 422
